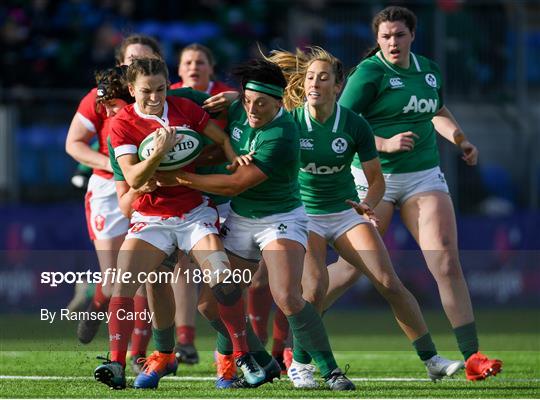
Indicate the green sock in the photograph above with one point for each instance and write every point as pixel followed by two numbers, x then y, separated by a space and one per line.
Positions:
pixel 299 354
pixel 256 347
pixel 164 339
pixel 223 342
pixel 310 333
pixel 467 339
pixel 424 346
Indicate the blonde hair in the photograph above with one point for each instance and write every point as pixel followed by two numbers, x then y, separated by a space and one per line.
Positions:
pixel 295 66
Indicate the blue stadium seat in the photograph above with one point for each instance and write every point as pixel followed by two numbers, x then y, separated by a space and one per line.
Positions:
pixel 498 182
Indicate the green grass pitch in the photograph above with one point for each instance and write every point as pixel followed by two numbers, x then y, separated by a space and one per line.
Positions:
pixel 40 360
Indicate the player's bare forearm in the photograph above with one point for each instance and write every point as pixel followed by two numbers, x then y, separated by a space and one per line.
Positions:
pixel 447 126
pixel 137 173
pixel 376 184
pixel 244 178
pixel 223 185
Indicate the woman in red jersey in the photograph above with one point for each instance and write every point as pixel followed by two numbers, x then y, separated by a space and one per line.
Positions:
pixel 163 220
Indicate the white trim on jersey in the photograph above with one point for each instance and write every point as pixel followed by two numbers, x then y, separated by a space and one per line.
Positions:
pixel 308 120
pixel 87 123
pixel 381 57
pixel 163 120
pixel 125 149
pixel 336 121
pixel 306 116
pixel 416 62
pixel 279 114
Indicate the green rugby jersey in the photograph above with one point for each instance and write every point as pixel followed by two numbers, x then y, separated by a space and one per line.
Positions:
pixel 277 153
pixel 395 100
pixel 326 153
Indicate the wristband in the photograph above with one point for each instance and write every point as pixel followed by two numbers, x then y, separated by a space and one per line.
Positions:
pixel 459 138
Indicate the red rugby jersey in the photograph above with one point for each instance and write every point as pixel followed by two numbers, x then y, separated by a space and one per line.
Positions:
pixel 129 128
pixel 93 118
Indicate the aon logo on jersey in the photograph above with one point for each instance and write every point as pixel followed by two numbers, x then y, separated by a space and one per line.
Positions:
pixel 321 170
pixel 421 105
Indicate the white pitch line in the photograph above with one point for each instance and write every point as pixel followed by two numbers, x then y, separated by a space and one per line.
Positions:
pixel 212 378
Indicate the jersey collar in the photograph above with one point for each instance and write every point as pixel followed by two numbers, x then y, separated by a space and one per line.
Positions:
pixel 395 68
pixel 163 121
pixel 307 116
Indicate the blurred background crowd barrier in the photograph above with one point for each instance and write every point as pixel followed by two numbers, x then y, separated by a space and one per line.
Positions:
pixel 488 51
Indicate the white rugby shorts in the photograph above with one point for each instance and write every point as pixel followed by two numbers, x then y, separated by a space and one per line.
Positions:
pixel 247 237
pixel 399 187
pixel 332 226
pixel 169 233
pixel 103 216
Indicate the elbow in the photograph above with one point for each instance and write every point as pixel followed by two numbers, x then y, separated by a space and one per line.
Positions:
pixel 231 192
pixel 69 149
pixel 234 187
pixel 134 183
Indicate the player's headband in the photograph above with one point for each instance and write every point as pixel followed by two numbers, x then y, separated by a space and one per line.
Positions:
pixel 266 88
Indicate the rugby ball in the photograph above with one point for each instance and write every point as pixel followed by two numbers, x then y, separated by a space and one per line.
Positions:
pixel 183 152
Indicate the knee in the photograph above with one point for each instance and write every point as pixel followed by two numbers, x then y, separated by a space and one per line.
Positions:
pixel 288 302
pixel 448 269
pixel 391 287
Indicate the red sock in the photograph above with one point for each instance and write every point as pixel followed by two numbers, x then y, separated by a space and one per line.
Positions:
pixel 281 332
pixel 185 334
pixel 120 329
pixel 235 320
pixel 142 332
pixel 259 306
pixel 100 302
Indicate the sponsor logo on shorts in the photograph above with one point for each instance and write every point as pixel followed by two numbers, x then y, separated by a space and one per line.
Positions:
pixel 99 221
pixel 441 178
pixel 282 229
pixel 396 83
pixel 431 80
pixel 224 230
pixel 361 188
pixel 339 145
pixel 139 226
pixel 306 144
